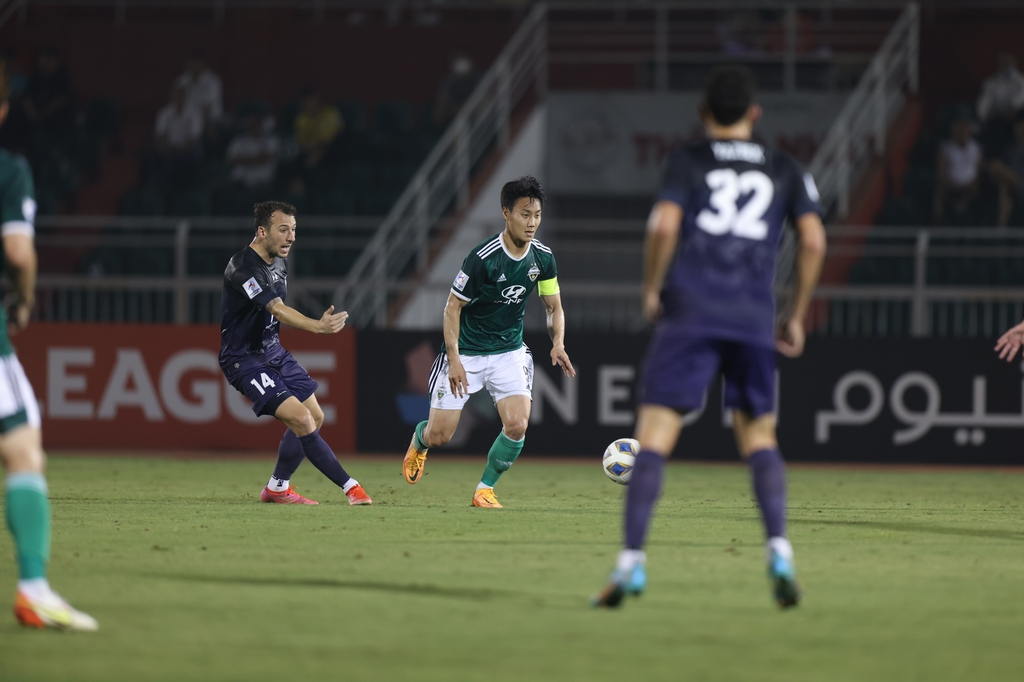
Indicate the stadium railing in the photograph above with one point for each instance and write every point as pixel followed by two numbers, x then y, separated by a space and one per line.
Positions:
pixel 917 282
pixel 119 269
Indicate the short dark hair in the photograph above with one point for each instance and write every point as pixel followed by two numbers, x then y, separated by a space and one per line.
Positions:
pixel 525 187
pixel 729 92
pixel 263 210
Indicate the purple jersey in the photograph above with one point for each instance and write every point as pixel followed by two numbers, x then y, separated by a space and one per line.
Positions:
pixel 247 330
pixel 735 196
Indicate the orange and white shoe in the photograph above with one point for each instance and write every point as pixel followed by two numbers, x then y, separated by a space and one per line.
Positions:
pixel 51 612
pixel 414 463
pixel 485 498
pixel 288 496
pixel 356 496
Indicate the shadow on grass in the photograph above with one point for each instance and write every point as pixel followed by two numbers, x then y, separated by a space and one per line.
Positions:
pixel 918 528
pixel 469 593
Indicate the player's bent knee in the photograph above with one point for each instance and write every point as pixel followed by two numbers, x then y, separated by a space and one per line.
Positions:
pixel 516 429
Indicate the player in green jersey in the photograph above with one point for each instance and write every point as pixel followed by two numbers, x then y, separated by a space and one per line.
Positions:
pixel 483 338
pixel 21 445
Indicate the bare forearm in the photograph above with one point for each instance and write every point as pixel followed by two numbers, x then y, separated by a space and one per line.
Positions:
pixel 293 318
pixel 556 326
pixel 658 250
pixel 25 280
pixel 452 326
pixel 808 270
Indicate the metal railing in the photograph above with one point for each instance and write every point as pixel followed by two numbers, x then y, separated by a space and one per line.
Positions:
pixel 108 269
pixel 859 132
pixel 443 181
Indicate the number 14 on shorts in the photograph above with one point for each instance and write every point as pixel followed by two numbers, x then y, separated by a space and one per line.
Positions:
pixel 267 383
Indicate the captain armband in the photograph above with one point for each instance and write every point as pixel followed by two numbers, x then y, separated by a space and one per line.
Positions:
pixel 548 287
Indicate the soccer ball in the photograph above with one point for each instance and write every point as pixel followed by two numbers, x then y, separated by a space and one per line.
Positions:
pixel 618 459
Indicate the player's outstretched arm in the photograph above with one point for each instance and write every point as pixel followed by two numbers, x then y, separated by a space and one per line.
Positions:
pixel 329 323
pixel 457 381
pixel 20 254
pixel 1010 342
pixel 659 248
pixel 556 330
pixel 809 259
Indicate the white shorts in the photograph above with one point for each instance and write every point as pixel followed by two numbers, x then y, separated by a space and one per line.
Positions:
pixel 18 404
pixel 503 375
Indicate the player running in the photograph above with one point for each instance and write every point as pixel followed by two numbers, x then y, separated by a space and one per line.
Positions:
pixel 255 363
pixel 21 449
pixel 709 266
pixel 483 338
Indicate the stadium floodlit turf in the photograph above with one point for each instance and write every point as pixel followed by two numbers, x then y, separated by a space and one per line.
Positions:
pixel 908 575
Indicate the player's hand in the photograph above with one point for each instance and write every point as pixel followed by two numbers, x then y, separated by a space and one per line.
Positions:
pixel 17 317
pixel 652 306
pixel 457 381
pixel 559 358
pixel 1010 342
pixel 331 322
pixel 791 338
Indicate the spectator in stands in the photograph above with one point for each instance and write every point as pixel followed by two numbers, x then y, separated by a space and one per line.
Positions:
pixel 253 155
pixel 179 131
pixel 455 88
pixel 1008 173
pixel 203 90
pixel 48 100
pixel 316 127
pixel 958 165
pixel 1002 96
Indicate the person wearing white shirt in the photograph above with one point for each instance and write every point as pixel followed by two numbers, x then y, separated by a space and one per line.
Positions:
pixel 203 89
pixel 253 155
pixel 1002 93
pixel 959 164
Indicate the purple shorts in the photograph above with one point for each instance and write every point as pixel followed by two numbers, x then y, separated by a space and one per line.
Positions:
pixel 680 366
pixel 269 381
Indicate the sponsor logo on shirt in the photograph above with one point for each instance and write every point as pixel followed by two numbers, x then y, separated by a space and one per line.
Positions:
pixel 513 294
pixel 460 280
pixel 252 289
pixel 534 272
pixel 502 277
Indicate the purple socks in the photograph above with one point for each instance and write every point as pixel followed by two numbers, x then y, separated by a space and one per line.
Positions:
pixel 289 456
pixel 641 495
pixel 320 454
pixel 768 474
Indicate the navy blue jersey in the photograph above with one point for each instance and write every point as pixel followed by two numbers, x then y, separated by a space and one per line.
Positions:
pixel 736 196
pixel 250 283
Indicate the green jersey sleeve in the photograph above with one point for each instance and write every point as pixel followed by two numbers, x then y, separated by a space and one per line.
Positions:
pixel 467 283
pixel 18 202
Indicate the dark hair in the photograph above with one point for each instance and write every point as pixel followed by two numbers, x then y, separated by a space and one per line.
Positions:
pixel 263 210
pixel 526 186
pixel 728 93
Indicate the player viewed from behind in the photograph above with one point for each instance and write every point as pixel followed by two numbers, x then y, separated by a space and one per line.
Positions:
pixel 255 363
pixel 21 448
pixel 709 266
pixel 483 338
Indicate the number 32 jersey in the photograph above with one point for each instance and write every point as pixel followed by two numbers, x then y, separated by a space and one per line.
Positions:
pixel 736 196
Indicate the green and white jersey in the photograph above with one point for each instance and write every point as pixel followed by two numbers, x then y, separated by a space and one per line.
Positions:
pixel 497 286
pixel 17 215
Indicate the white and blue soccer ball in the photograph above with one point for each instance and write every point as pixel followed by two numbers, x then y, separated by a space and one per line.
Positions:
pixel 619 458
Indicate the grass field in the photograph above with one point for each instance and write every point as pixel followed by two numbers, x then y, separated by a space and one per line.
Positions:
pixel 913 575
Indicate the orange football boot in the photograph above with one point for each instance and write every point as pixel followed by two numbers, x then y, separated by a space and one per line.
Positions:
pixel 485 498
pixel 288 496
pixel 53 612
pixel 356 496
pixel 414 462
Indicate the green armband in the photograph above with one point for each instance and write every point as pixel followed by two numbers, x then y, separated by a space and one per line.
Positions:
pixel 548 287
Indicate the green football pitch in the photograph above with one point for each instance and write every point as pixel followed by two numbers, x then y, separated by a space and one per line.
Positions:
pixel 907 575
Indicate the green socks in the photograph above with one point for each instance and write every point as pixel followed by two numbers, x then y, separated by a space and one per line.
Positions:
pixel 418 436
pixel 500 457
pixel 28 517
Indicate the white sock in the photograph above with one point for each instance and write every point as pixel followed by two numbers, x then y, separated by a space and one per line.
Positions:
pixel 349 484
pixel 780 546
pixel 481 486
pixel 36 588
pixel 277 485
pixel 628 558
